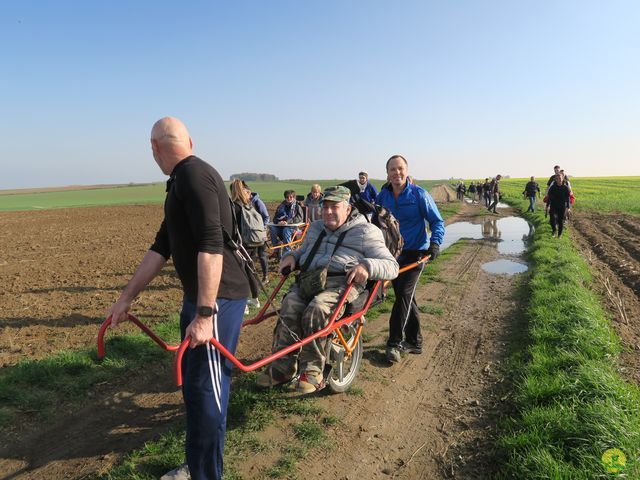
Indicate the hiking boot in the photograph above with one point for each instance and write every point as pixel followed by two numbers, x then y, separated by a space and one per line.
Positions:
pixel 180 473
pixel 393 354
pixel 411 348
pixel 310 382
pixel 271 378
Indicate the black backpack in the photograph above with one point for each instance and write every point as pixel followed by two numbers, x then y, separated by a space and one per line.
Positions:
pixel 380 216
pixel 385 221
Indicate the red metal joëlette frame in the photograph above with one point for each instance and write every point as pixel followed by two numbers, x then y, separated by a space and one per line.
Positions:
pixel 333 324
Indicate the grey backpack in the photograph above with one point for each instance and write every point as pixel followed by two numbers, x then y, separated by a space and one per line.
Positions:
pixel 252 228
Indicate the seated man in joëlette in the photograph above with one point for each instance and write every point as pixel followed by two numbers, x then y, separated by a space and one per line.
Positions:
pixel 352 250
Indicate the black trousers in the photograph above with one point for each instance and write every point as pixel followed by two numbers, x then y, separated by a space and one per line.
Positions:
pixel 404 322
pixel 556 219
pixel 261 253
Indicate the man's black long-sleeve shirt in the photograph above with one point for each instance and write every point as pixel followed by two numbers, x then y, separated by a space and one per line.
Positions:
pixel 196 210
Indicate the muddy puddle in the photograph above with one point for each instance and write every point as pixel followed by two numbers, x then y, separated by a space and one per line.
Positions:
pixel 510 235
pixel 475 202
pixel 504 267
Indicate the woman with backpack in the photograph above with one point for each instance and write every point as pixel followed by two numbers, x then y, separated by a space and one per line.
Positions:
pixel 251 225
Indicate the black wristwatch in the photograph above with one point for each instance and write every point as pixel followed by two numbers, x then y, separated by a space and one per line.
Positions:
pixel 205 311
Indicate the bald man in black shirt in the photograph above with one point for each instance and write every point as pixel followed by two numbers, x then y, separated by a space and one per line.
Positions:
pixel 196 213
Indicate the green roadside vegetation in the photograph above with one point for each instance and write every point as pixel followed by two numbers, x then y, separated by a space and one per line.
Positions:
pixel 571 405
pixel 148 193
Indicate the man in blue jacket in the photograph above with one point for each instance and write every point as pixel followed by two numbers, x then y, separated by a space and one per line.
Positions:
pixel 414 208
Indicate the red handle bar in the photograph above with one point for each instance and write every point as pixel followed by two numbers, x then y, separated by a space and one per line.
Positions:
pixel 332 325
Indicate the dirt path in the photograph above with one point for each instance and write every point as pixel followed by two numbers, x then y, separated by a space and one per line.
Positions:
pixel 432 416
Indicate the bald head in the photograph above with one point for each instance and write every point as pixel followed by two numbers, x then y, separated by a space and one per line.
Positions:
pixel 170 142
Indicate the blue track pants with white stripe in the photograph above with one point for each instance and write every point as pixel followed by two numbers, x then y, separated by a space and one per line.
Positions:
pixel 206 378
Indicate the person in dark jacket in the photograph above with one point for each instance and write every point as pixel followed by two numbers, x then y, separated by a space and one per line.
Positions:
pixel 288 212
pixel 197 212
pixel 531 189
pixel 486 189
pixel 414 208
pixel 558 204
pixel 495 193
pixel 368 191
pixel 472 191
pixel 552 178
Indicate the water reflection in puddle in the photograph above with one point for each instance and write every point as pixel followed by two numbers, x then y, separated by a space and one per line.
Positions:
pixel 475 202
pixel 504 267
pixel 509 233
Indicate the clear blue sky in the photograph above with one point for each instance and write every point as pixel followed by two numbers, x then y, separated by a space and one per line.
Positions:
pixel 319 89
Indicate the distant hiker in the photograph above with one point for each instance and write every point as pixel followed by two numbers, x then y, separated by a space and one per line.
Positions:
pixel 313 202
pixel 495 193
pixel 472 191
pixel 196 213
pixel 531 189
pixel 288 212
pixel 414 208
pixel 565 180
pixel 552 178
pixel 486 189
pixel 368 191
pixel 351 250
pixel 558 204
pixel 479 187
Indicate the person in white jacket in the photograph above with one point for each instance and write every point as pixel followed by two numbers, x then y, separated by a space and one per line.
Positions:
pixel 352 250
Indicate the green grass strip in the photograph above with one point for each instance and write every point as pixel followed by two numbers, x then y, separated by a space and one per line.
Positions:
pixel 40 387
pixel 571 404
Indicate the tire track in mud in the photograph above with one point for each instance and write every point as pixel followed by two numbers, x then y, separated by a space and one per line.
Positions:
pixel 433 415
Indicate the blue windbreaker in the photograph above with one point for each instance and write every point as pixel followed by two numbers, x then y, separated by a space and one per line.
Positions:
pixel 260 207
pixel 414 209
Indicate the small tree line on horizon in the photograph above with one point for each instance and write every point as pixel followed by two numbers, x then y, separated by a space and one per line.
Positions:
pixel 254 177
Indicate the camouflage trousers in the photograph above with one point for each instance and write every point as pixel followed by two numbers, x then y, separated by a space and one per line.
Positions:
pixel 300 318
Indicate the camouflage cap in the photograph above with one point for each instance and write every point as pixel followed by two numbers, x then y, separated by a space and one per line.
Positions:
pixel 336 194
